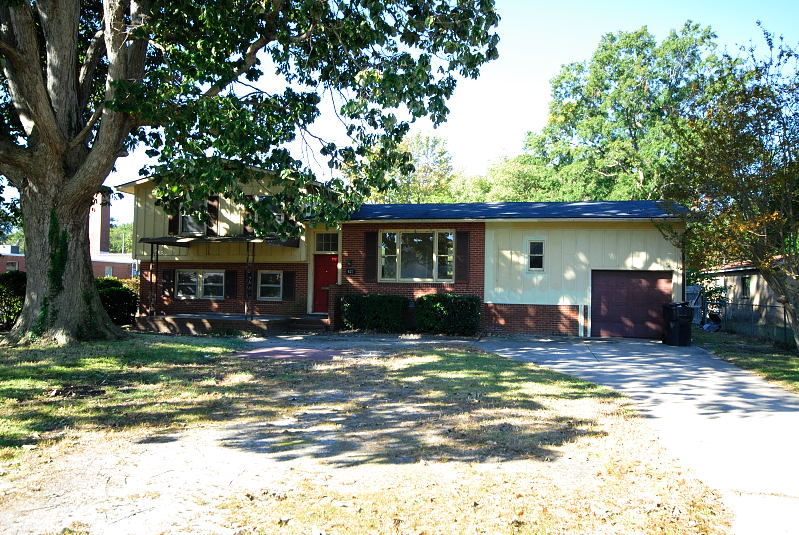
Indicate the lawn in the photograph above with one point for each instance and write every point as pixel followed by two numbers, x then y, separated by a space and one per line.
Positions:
pixel 444 440
pixel 763 358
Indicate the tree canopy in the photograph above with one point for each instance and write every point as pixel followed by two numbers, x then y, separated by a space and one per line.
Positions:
pixel 608 132
pixel 737 169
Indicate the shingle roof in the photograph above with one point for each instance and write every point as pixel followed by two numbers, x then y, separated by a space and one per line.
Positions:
pixel 515 210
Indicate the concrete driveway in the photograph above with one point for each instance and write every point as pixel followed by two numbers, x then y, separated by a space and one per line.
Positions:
pixel 737 432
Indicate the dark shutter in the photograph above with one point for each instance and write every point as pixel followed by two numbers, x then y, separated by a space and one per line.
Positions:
pixel 213 211
pixel 230 284
pixel 370 256
pixel 173 224
pixel 168 282
pixel 248 214
pixel 462 256
pixel 288 285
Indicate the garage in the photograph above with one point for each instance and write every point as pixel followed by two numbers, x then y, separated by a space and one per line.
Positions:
pixel 629 303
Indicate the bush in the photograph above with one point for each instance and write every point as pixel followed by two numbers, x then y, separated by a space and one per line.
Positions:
pixel 131 284
pixel 374 312
pixel 12 296
pixel 120 303
pixel 448 314
pixel 103 283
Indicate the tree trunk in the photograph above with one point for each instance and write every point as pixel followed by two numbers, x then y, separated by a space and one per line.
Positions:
pixel 61 300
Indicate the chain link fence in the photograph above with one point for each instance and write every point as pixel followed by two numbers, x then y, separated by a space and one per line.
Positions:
pixel 768 322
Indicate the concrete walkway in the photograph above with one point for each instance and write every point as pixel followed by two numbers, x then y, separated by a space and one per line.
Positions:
pixel 737 432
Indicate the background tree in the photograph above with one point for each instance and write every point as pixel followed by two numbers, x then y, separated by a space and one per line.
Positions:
pixel 430 179
pixel 84 80
pixel 607 136
pixel 120 237
pixel 737 170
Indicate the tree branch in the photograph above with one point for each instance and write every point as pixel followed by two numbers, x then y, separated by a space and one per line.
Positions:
pixel 26 81
pixel 13 55
pixel 252 50
pixel 13 155
pixel 86 77
pixel 81 136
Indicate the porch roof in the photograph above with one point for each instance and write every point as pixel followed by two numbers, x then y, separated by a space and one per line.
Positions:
pixel 188 241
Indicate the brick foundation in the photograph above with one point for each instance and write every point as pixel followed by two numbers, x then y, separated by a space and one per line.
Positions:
pixel 169 305
pixel 531 319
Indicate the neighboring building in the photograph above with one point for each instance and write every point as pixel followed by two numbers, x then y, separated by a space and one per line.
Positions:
pixel 580 269
pixel 104 263
pixel 750 306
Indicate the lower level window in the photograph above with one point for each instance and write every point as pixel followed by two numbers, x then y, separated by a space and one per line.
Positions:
pixel 12 266
pixel 204 284
pixel 417 255
pixel 270 285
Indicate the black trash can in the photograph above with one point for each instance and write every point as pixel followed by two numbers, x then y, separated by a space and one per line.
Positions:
pixel 677 318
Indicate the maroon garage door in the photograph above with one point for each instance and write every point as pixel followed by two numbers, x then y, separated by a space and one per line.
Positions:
pixel 629 303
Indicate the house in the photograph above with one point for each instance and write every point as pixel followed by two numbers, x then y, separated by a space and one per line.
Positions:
pixel 104 263
pixel 579 269
pixel 749 305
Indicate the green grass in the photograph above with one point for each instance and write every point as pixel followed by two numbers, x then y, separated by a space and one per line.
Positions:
pixel 144 380
pixel 773 363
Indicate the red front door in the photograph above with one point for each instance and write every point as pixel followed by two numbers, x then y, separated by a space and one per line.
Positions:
pixel 325 273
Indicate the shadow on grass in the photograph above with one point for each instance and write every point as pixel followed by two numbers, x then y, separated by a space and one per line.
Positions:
pixel 455 404
pixel 445 404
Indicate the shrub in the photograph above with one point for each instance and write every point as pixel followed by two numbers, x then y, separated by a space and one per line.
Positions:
pixel 374 312
pixel 131 284
pixel 104 283
pixel 448 314
pixel 120 303
pixel 12 296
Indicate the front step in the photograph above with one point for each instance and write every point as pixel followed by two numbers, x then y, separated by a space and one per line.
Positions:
pixel 316 322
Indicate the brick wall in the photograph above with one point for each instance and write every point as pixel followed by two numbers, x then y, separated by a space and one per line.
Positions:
pixel 166 305
pixel 353 258
pixel 120 271
pixel 531 319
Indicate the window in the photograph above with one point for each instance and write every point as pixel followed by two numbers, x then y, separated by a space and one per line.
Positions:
pixel 190 225
pixel 12 266
pixel 200 284
pixel 270 285
pixel 536 256
pixel 746 286
pixel 416 255
pixel 327 242
pixel 109 271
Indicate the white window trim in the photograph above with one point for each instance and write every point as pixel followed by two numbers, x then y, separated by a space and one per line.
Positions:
pixel 258 285
pixel 327 251
pixel 9 268
pixel 399 255
pixel 543 255
pixel 200 285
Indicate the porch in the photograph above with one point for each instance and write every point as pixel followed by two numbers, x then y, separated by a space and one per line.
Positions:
pixel 220 323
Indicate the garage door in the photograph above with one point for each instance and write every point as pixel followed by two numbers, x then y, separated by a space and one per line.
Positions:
pixel 629 303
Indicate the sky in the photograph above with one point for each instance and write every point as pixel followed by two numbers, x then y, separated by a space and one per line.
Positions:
pixel 490 116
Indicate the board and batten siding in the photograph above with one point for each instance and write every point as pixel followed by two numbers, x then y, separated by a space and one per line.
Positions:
pixel 150 221
pixel 571 251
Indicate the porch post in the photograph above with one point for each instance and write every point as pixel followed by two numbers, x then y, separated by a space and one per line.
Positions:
pixel 151 281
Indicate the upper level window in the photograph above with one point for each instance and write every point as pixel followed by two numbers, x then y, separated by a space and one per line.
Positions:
pixel 206 284
pixel 191 225
pixel 417 255
pixel 327 242
pixel 536 255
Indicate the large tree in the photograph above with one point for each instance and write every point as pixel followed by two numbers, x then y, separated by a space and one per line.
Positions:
pixel 737 169
pixel 608 131
pixel 221 91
